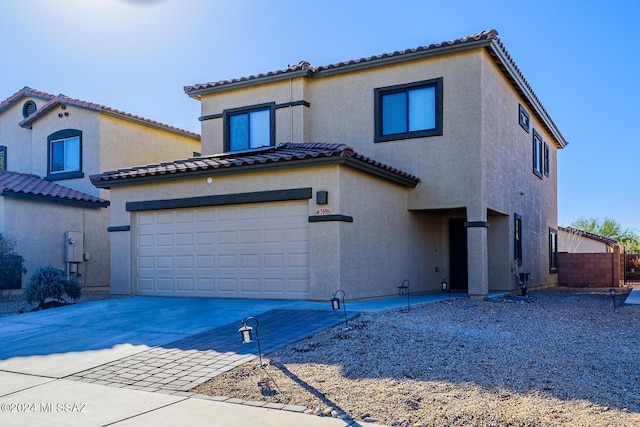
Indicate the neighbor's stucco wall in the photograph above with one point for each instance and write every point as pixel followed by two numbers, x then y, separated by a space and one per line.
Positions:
pixel 15 138
pixel 42 242
pixel 125 143
pixel 81 119
pixel 572 243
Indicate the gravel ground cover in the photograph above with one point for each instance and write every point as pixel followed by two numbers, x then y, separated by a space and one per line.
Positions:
pixel 11 305
pixel 563 357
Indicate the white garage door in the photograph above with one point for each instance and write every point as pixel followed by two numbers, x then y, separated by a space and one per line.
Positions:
pixel 239 251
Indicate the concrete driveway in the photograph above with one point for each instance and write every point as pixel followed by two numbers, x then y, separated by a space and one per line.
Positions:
pixel 131 361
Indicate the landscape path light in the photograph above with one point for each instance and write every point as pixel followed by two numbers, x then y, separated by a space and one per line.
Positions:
pixel 245 334
pixel 335 305
pixel 613 292
pixel 403 289
pixel 446 287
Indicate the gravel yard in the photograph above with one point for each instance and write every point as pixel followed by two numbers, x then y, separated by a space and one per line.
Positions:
pixel 10 305
pixel 566 357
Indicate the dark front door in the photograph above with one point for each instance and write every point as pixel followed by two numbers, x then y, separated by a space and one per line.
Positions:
pixel 459 279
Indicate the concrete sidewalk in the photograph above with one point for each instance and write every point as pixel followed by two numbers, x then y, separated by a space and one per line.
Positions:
pixel 131 361
pixel 634 296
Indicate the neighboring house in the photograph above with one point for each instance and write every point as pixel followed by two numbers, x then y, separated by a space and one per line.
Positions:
pixel 573 240
pixel 49 146
pixel 429 164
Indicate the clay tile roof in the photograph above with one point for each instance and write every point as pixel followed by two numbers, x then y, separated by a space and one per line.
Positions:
pixel 18 184
pixel 25 91
pixel 306 67
pixel 576 231
pixel 63 99
pixel 281 154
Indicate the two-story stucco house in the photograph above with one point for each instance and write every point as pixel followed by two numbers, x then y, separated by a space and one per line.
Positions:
pixel 49 146
pixel 429 164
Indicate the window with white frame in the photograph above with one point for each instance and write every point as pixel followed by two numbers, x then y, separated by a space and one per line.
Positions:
pixel 65 154
pixel 537 154
pixel 408 111
pixel 249 128
pixel 546 160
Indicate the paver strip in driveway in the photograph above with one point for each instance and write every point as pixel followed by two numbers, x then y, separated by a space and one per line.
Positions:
pixel 189 362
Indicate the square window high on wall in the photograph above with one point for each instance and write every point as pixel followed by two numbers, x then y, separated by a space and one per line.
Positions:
pixel 408 111
pixel 248 128
pixel 65 154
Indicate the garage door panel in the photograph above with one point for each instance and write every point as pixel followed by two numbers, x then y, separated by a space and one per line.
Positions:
pixel 165 239
pixel 164 262
pixel 233 251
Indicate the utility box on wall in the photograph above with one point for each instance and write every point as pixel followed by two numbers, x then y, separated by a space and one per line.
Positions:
pixel 74 244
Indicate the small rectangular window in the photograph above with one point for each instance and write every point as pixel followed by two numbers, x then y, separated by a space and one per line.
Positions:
pixel 249 128
pixel 523 118
pixel 537 154
pixel 553 250
pixel 3 158
pixel 65 154
pixel 408 111
pixel 546 160
pixel 517 238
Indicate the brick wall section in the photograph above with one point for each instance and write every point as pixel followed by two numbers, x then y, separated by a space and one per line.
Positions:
pixel 590 270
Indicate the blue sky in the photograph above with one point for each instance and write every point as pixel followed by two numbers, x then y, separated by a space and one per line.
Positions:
pixel 581 58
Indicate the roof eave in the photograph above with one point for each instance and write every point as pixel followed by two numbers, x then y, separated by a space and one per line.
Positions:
pixel 197 93
pixel 524 89
pixel 257 167
pixel 54 199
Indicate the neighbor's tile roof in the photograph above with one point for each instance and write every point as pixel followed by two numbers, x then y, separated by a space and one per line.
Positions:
pixel 606 240
pixel 281 154
pixel 28 185
pixel 305 66
pixel 62 99
pixel 25 91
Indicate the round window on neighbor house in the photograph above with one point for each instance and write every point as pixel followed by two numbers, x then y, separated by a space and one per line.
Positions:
pixel 28 109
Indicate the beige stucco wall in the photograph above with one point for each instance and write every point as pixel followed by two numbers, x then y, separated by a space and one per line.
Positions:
pixel 363 257
pixel 15 138
pixel 39 230
pixel 568 242
pixel 124 143
pixel 510 186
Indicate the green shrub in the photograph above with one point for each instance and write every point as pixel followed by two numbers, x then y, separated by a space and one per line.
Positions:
pixel 50 283
pixel 11 265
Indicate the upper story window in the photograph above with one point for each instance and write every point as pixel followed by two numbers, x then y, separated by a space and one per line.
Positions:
pixel 537 154
pixel 248 128
pixel 65 154
pixel 3 158
pixel 546 160
pixel 523 117
pixel 408 111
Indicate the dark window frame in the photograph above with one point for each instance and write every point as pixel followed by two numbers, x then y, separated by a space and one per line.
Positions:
pixel 3 151
pixel 546 166
pixel 538 148
pixel 270 106
pixel 553 250
pixel 63 135
pixel 517 238
pixel 523 118
pixel 379 93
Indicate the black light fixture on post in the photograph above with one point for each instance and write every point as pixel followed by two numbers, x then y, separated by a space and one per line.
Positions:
pixel 335 305
pixel 403 289
pixel 245 334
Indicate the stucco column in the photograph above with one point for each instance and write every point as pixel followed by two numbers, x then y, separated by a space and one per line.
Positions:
pixel 478 259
